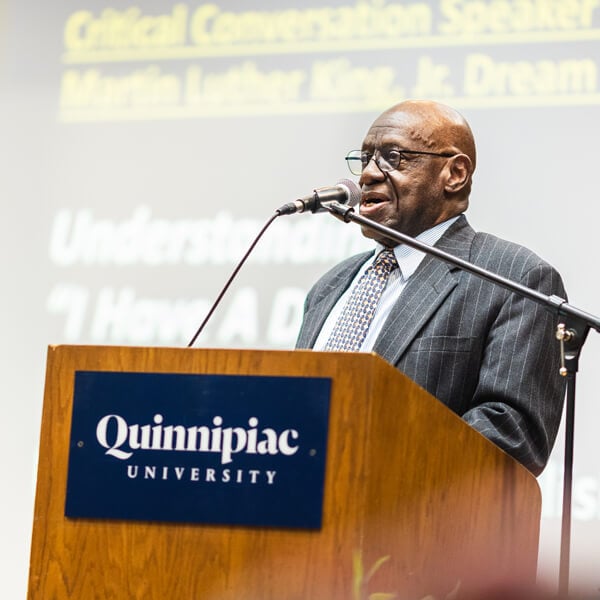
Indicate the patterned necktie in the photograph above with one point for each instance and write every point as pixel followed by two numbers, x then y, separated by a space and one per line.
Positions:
pixel 351 328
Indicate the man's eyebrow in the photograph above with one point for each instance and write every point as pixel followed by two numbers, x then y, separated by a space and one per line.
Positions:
pixel 384 146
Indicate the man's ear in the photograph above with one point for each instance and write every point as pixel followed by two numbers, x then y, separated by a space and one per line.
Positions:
pixel 459 172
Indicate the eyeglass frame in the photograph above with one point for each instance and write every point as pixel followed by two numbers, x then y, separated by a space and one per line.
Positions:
pixel 349 158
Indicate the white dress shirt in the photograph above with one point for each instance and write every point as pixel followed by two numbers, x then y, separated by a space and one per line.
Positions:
pixel 408 260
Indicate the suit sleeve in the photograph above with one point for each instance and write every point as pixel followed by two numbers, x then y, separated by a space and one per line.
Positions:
pixel 519 396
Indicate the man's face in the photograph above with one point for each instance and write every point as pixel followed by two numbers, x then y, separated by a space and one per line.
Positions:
pixel 411 198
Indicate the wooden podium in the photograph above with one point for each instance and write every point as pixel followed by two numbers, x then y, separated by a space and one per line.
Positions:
pixel 415 501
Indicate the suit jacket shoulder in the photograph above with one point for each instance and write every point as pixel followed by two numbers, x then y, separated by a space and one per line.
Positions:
pixel 501 256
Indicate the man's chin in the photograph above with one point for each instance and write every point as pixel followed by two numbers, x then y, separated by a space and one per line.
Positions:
pixel 378 237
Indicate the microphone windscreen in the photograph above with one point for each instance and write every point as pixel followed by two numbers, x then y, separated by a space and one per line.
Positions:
pixel 354 192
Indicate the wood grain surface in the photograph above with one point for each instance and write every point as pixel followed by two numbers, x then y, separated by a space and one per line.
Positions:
pixel 416 502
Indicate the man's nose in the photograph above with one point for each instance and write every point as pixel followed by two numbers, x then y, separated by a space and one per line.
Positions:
pixel 371 173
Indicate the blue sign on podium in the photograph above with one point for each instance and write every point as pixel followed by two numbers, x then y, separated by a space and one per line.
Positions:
pixel 220 449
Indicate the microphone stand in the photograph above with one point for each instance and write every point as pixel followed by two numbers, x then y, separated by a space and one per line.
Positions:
pixel 571 332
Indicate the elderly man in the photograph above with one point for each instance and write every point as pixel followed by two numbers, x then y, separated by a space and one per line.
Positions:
pixel 487 354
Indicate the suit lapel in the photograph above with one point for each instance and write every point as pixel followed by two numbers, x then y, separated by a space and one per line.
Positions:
pixel 338 284
pixel 425 291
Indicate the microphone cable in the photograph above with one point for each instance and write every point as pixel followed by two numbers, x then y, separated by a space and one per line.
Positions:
pixel 232 277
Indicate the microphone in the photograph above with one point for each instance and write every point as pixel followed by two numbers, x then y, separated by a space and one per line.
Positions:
pixel 344 191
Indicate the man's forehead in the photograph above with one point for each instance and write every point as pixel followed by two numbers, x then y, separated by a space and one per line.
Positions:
pixel 399 117
pixel 381 134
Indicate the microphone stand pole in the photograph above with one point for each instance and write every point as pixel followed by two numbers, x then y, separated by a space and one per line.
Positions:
pixel 571 332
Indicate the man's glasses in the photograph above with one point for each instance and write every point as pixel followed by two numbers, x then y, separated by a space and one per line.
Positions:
pixel 386 160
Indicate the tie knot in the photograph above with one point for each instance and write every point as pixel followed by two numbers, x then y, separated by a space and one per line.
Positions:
pixel 385 261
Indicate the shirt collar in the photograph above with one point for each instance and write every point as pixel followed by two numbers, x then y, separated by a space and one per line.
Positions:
pixel 409 258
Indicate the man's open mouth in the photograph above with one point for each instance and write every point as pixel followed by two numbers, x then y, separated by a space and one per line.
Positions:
pixel 372 198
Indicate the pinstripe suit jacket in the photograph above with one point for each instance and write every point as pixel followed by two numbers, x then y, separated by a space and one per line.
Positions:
pixel 487 354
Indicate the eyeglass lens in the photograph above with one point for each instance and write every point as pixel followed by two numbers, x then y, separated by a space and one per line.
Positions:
pixel 386 160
